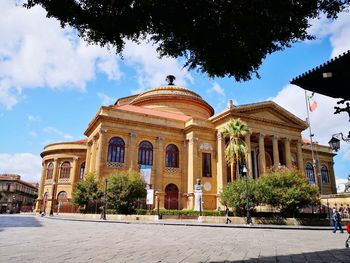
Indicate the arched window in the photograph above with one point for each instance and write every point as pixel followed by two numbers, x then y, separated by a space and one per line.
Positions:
pixel 62 197
pixel 324 173
pixel 49 171
pixel 310 173
pixel 82 170
pixel 65 170
pixel 145 153
pixel 172 156
pixel 116 149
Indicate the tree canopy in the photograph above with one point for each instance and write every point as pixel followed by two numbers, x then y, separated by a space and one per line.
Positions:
pixel 284 189
pixel 219 37
pixel 124 188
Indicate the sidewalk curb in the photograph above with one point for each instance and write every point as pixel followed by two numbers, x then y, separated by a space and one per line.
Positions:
pixel 183 223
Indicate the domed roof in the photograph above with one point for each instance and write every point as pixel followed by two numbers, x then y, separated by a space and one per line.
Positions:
pixel 174 96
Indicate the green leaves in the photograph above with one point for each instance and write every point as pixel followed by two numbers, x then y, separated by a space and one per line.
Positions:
pixel 124 188
pixel 285 189
pixel 220 38
pixel 86 191
pixel 236 149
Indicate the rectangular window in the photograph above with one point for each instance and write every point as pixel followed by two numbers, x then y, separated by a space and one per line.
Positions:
pixel 206 164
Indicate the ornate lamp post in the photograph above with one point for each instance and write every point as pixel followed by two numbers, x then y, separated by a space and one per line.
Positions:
pixel 245 174
pixel 52 197
pixel 105 200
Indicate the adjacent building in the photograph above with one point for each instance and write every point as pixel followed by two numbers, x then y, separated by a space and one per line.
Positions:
pixel 16 195
pixel 176 133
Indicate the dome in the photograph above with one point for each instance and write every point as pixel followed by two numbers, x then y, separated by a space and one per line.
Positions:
pixel 174 99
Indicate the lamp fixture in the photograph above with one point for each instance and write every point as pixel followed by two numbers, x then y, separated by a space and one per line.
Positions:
pixel 334 142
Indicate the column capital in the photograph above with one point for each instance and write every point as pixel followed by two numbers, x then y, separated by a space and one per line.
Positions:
pixel 275 137
pixel 287 139
pixel 193 140
pixel 55 159
pixel 261 135
pixel 132 135
pixel 75 158
pixel 89 143
pixel 219 135
pixel 102 131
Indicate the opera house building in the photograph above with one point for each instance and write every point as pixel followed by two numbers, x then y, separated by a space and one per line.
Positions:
pixel 177 134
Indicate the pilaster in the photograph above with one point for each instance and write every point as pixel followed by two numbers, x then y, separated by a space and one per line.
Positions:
pixel 221 172
pixel 192 161
pixel 159 164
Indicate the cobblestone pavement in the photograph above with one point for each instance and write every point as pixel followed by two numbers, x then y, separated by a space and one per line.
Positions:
pixel 36 239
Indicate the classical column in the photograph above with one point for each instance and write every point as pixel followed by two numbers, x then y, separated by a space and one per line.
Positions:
pixel 100 163
pixel 221 171
pixel 43 179
pixel 88 157
pixel 249 155
pixel 159 164
pixel 262 162
pixel 132 154
pixel 276 157
pixel 192 164
pixel 288 153
pixel 332 178
pixel 73 171
pixel 39 201
pixel 300 157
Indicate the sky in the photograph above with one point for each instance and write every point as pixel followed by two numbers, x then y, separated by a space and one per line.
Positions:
pixel 52 83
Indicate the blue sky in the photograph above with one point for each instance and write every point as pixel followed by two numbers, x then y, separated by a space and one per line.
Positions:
pixel 52 84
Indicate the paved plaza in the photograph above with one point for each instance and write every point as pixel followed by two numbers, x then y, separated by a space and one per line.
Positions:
pixel 35 239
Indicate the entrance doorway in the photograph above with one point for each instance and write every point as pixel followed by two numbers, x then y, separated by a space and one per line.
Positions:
pixel 171 200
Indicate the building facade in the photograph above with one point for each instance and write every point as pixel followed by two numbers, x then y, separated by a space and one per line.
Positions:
pixel 176 133
pixel 16 195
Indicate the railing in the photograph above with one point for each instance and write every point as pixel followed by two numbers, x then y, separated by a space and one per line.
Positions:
pixel 115 165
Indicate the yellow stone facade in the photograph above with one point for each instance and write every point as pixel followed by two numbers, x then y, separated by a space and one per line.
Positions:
pixel 171 115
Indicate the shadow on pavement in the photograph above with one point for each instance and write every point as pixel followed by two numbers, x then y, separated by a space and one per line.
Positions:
pixel 19 221
pixel 333 255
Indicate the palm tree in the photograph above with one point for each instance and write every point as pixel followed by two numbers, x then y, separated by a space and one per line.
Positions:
pixel 236 149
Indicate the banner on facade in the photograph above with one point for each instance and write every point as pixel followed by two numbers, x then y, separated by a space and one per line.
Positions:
pixel 145 171
pixel 149 198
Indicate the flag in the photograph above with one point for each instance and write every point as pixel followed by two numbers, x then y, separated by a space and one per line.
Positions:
pixel 312 102
pixel 313 106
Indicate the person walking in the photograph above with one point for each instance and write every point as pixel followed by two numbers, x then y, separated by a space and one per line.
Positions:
pixel 336 217
pixel 227 210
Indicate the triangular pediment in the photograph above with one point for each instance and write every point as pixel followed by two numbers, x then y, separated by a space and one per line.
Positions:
pixel 271 112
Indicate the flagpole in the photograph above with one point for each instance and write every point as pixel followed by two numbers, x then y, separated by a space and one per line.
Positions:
pixel 311 135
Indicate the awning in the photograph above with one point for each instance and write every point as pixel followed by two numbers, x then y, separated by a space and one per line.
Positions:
pixel 331 78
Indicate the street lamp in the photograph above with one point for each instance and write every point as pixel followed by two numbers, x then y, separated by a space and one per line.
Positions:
pixel 105 204
pixel 52 197
pixel 245 174
pixel 334 143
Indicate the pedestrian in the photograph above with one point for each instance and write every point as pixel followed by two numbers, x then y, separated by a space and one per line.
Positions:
pixel 227 210
pixel 336 217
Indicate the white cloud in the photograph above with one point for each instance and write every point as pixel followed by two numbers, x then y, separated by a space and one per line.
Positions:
pixel 106 100
pixel 217 89
pixel 27 165
pixel 33 133
pixel 337 30
pixel 151 70
pixel 32 118
pixel 55 131
pixel 36 52
pixel 324 122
